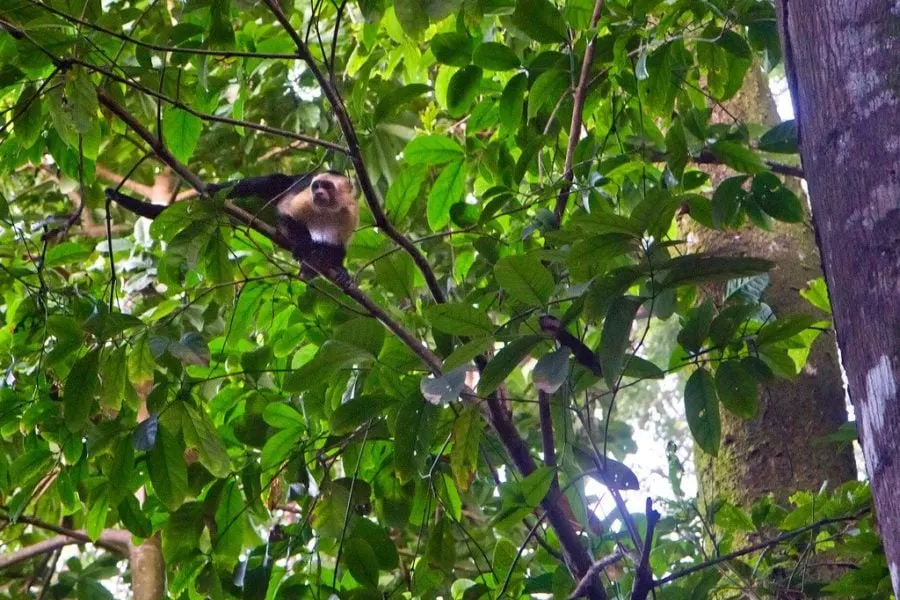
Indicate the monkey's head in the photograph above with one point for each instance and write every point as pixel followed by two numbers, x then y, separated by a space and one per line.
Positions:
pixel 330 191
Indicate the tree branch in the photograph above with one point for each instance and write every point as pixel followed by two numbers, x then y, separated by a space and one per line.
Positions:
pixel 577 558
pixel 577 111
pixel 206 116
pixel 643 578
pixel 115 540
pixel 109 540
pixel 355 154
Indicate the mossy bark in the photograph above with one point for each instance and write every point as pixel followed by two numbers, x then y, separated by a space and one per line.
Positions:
pixel 783 449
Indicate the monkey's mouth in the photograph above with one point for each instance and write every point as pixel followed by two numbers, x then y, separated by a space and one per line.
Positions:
pixel 324 201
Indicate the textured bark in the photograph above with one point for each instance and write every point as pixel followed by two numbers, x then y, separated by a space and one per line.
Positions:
pixel 781 450
pixel 844 75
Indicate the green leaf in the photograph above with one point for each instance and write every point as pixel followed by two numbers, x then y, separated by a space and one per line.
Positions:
pixel 695 328
pixel 395 100
pixel 120 470
pixel 231 517
pixel 463 88
pixel 353 413
pixel 279 447
pixel 95 522
pixel 727 201
pixel 466 353
pixel 512 102
pixel 29 117
pixel 776 199
pixel 282 416
pixel 785 328
pixel 114 378
pixel 467 430
pixel 404 191
pixel 739 157
pixel 540 20
pixel 67 253
pixel 535 487
pixel 737 389
pixel 433 150
pixel 493 56
pixel 448 189
pixel 411 16
pixel 360 559
pixel 641 368
pixel 459 319
pixel 81 100
pixel 816 293
pixel 201 434
pixel 453 49
pixel 781 138
pixel 181 131
pixel 331 358
pixel 546 90
pixel 80 390
pixel 168 472
pixel 731 518
pixel 363 332
pixel 701 406
pixel 615 338
pixel 504 557
pixel 503 363
pixel 551 370
pixel 698 268
pixel 525 279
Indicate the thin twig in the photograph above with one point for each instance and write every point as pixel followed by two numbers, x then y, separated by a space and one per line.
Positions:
pixel 595 570
pixel 759 546
pixel 577 111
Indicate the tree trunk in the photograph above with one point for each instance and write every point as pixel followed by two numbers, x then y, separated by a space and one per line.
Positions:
pixel 843 71
pixel 781 450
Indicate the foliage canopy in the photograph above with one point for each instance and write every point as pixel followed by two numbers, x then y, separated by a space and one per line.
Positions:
pixel 517 159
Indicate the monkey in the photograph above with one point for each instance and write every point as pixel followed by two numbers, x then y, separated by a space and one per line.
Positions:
pixel 317 213
pixel 319 221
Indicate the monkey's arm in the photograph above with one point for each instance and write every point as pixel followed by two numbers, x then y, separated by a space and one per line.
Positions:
pixel 267 187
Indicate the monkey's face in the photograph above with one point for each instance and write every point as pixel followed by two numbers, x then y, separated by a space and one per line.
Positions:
pixel 324 193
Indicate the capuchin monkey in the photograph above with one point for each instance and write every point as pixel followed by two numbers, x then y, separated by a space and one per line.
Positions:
pixel 317 213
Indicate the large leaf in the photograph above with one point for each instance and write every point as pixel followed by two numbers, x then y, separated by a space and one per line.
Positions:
pixel 504 362
pixel 80 390
pixel 181 132
pixel 776 199
pixel 463 87
pixel 448 189
pixel 525 279
pixel 459 319
pixel 168 472
pixel 737 389
pixel 432 150
pixel 698 268
pixel 701 406
pixel 452 48
pixel 540 20
pixel 616 335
